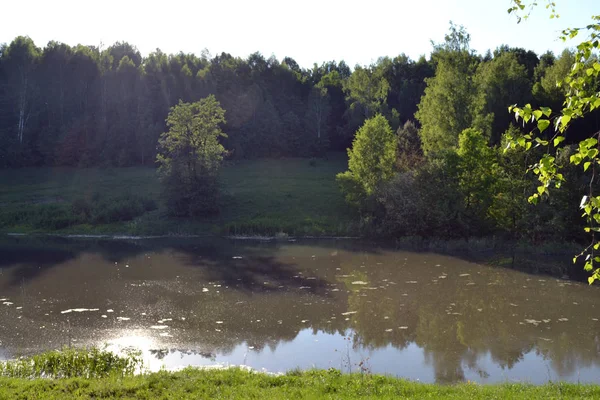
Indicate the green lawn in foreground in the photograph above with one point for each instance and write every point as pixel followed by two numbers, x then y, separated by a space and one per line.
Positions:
pixel 235 383
pixel 258 197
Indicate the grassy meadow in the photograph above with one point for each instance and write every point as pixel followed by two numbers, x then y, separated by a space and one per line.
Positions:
pixel 241 384
pixel 258 197
pixel 99 374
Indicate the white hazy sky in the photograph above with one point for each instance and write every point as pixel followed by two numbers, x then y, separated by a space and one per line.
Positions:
pixel 308 31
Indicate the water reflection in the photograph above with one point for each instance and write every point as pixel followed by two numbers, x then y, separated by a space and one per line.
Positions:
pixel 287 305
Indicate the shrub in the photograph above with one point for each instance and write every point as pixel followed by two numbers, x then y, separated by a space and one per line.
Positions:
pixel 84 210
pixel 186 199
pixel 123 208
pixel 425 202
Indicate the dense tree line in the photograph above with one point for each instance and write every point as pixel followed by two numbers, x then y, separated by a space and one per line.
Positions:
pixel 84 105
pixel 457 171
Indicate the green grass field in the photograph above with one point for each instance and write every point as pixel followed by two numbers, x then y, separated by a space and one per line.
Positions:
pixel 240 384
pixel 99 374
pixel 258 197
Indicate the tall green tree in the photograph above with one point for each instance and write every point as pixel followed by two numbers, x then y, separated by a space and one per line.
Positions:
pixel 499 82
pixel 317 117
pixel 476 176
pixel 445 108
pixel 370 160
pixel 190 156
pixel 20 61
pixel 547 90
pixel 366 90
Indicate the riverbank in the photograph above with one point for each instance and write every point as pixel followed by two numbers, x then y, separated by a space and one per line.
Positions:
pixel 95 373
pixel 238 383
pixel 293 197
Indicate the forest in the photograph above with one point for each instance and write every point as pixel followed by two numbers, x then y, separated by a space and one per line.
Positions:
pixel 446 119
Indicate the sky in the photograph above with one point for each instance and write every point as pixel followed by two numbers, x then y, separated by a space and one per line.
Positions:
pixel 310 31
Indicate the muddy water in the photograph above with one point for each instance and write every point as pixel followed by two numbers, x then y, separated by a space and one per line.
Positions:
pixel 281 306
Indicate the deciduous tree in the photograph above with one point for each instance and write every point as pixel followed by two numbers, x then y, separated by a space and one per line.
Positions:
pixel 190 156
pixel 370 160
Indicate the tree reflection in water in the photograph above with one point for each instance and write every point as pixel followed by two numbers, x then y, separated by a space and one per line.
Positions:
pixel 216 298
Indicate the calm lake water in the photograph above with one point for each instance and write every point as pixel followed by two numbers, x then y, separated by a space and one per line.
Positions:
pixel 279 306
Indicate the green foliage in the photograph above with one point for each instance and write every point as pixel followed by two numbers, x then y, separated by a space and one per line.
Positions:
pixel 94 210
pixel 478 190
pixel 190 157
pixel 449 196
pixel 103 210
pixel 190 197
pixel 409 152
pixel 421 202
pixel 370 160
pixel 581 98
pixel 547 90
pixel 476 176
pixel 237 383
pixel 501 81
pixel 509 209
pixel 366 90
pixel 445 108
pixel 43 216
pixel 69 363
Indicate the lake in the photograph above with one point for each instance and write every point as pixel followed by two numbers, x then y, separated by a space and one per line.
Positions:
pixel 277 306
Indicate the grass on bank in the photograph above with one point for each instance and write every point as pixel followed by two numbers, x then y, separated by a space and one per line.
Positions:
pixel 263 197
pixel 99 374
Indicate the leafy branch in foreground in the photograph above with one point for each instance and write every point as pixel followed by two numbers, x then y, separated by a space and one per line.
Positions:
pixel 581 98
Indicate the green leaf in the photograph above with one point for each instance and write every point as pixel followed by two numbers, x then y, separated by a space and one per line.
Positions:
pixel 533 198
pixel 543 124
pixel 588 266
pixel 565 119
pixel 591 280
pixel 586 165
pixel 547 111
pixel 537 114
pixel 558 139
